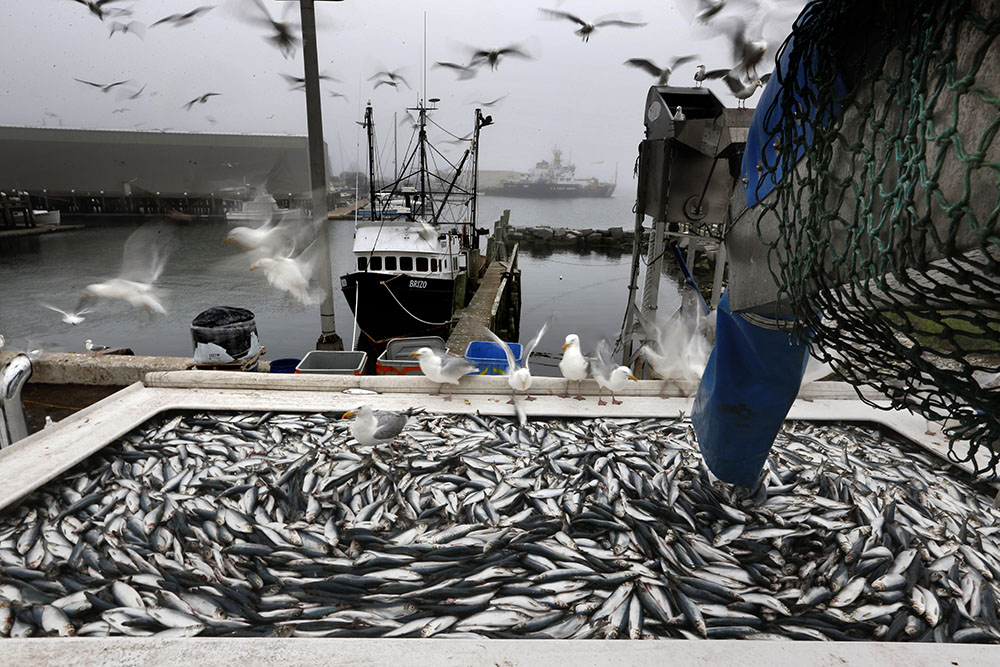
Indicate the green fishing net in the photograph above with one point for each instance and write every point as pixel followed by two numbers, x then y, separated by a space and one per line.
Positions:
pixel 882 229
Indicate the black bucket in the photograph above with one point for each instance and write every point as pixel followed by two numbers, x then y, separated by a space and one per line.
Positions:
pixel 224 335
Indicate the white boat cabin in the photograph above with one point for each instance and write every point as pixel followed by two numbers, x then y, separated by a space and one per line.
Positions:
pixel 396 248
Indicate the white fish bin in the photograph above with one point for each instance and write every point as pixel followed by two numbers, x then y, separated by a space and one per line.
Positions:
pixel 198 506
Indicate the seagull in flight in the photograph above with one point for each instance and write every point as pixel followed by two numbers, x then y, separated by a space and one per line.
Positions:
pixel 586 27
pixel 463 71
pixel 143 259
pixel 103 87
pixel 492 56
pixel 492 102
pixel 183 19
pixel 96 7
pixel 334 93
pixel 283 35
pixel 73 318
pixel 394 78
pixel 134 27
pixel 199 100
pixel 299 82
pixel 662 74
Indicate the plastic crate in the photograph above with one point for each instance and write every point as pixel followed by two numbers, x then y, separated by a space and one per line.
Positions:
pixel 396 359
pixel 331 362
pixel 490 358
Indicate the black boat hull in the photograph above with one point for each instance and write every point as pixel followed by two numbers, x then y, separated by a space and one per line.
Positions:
pixel 399 305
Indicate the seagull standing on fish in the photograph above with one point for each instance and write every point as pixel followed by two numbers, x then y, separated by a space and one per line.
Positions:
pixel 375 427
pixel 573 365
pixel 443 368
pixel 662 74
pixel 614 379
pixel 586 27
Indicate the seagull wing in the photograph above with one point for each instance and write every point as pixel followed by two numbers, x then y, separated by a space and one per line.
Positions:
pixel 514 51
pixel 647 66
pixel 602 364
pixel 620 23
pixel 456 367
pixel 511 361
pixel 533 343
pixel 677 62
pixel 556 14
pixel 146 251
pixel 388 424
pixel 89 83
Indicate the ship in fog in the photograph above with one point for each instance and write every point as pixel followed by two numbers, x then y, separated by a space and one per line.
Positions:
pixel 553 179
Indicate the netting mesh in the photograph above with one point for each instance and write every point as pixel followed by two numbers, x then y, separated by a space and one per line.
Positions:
pixel 884 239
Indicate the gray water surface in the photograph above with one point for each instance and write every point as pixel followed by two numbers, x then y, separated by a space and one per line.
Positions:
pixel 586 291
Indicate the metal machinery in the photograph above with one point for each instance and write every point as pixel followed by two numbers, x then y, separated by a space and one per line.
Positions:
pixel 688 165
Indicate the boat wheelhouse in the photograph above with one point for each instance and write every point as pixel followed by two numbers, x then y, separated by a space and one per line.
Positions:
pixel 416 253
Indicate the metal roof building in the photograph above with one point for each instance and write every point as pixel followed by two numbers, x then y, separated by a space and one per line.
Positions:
pixel 62 160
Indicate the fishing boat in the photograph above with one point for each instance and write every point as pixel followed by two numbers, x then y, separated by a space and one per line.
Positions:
pixel 416 252
pixel 553 179
pixel 262 207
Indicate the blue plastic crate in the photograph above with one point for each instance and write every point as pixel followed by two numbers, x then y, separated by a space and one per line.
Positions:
pixel 490 357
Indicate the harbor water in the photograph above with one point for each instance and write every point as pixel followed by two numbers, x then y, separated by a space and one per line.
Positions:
pixel 587 292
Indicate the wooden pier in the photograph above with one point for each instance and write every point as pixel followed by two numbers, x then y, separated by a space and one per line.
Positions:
pixel 497 302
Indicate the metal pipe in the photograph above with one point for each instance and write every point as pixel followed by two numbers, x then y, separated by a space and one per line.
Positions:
pixel 13 423
pixel 328 339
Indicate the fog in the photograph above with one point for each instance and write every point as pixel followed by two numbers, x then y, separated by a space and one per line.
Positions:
pixel 572 94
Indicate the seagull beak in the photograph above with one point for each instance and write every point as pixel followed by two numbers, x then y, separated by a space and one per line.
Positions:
pixel 632 377
pixel 565 345
pixel 253 267
pixel 349 413
pixel 414 354
pixel 229 240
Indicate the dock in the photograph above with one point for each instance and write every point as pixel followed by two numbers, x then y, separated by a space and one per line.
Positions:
pixel 19 232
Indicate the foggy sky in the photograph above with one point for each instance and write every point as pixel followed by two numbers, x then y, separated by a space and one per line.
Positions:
pixel 574 95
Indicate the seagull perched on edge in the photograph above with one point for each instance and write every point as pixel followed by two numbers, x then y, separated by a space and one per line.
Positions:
pixel 586 27
pixel 443 368
pixel 375 427
pixel 662 74
pixel 519 377
pixel 611 378
pixel 743 91
pixel 700 74
pixel 573 365
pixel 91 347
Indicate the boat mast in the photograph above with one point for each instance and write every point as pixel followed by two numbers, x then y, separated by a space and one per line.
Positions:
pixel 475 173
pixel 370 130
pixel 422 143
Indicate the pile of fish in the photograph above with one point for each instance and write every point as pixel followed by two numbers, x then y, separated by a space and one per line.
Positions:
pixel 265 524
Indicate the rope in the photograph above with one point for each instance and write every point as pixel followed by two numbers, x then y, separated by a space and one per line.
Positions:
pixel 385 284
